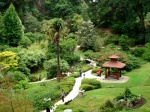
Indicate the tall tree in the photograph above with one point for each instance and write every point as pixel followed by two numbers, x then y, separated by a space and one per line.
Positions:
pixel 13 29
pixel 86 35
pixel 62 8
pixel 52 29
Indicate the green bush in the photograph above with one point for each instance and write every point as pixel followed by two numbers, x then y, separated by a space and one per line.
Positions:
pixel 108 106
pixel 88 53
pixel 87 87
pixel 33 78
pixel 112 39
pixel 137 51
pixel 75 75
pixel 51 67
pixel 124 42
pixel 22 85
pixel 132 63
pixel 86 68
pixel 71 58
pixel 146 54
pixel 25 41
pixel 17 75
pixel 94 70
pixel 92 82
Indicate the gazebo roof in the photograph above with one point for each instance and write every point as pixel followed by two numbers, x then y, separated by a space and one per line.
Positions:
pixel 114 63
pixel 114 57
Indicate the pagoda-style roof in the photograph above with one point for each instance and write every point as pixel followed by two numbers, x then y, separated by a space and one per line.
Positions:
pixel 114 57
pixel 114 63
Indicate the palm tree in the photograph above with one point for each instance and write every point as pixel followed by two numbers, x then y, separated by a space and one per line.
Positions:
pixel 52 29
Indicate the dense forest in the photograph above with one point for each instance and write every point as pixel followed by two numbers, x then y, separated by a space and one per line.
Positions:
pixel 37 35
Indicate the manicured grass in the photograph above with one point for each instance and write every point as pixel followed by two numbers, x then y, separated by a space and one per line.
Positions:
pixel 137 77
pixel 138 83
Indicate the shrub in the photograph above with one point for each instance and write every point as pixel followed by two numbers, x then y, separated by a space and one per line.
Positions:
pixel 75 75
pixel 33 78
pixel 112 39
pixel 17 75
pixel 137 51
pixel 88 53
pixel 123 42
pixel 25 41
pixel 71 58
pixel 22 85
pixel 51 67
pixel 90 84
pixel 132 63
pixel 87 87
pixel 86 68
pixel 108 106
pixel 146 54
pixel 94 70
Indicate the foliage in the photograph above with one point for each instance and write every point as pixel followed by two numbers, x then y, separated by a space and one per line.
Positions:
pixel 86 35
pixel 30 60
pixel 75 75
pixel 23 84
pixel 112 39
pixel 108 106
pixel 137 51
pixel 25 41
pixel 87 87
pixel 146 54
pixel 17 75
pixel 86 68
pixel 88 53
pixel 31 23
pixel 94 70
pixel 51 67
pixel 33 78
pixel 123 42
pixel 76 20
pixel 12 30
pixel 63 8
pixel 36 36
pixel 8 61
pixel 67 47
pixel 14 102
pixel 90 84
pixel 132 63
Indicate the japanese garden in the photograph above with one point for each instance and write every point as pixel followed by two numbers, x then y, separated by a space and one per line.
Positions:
pixel 74 56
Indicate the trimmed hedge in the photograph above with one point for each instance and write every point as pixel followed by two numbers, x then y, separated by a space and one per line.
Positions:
pixel 90 84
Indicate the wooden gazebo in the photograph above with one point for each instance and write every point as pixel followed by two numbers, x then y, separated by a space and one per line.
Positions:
pixel 114 64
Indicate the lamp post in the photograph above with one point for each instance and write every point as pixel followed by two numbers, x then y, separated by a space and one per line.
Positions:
pixel 47 100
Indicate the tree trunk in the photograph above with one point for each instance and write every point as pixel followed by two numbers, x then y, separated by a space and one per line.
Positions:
pixel 58 55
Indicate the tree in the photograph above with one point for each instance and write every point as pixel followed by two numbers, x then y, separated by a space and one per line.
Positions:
pixel 62 8
pixel 12 101
pixel 13 28
pixel 86 35
pixel 8 61
pixel 53 29
pixel 51 66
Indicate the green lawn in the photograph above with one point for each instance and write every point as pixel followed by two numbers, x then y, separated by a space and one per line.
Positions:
pixel 138 83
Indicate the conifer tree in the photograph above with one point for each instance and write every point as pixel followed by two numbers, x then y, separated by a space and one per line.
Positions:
pixel 12 27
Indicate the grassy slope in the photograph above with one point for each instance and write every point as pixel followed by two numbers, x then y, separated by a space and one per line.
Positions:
pixel 138 83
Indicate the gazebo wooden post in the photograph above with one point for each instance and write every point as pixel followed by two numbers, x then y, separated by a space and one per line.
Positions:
pixel 106 72
pixel 120 72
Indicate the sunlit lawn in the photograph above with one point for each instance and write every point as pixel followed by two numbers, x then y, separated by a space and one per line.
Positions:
pixel 139 83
